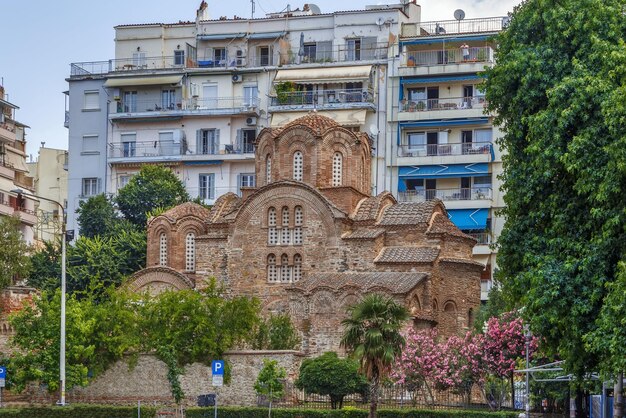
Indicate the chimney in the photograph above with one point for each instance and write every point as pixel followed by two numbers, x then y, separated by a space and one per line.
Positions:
pixel 203 13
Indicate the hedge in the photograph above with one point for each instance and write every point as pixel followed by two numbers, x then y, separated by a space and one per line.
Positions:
pixel 78 411
pixel 242 412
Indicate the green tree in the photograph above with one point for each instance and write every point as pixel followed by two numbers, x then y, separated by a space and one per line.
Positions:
pixel 558 92
pixel 269 383
pixel 330 375
pixel 372 335
pixel 276 333
pixel 45 272
pixel 96 216
pixel 153 187
pixel 14 259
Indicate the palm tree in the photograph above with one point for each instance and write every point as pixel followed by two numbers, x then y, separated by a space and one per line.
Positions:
pixel 372 335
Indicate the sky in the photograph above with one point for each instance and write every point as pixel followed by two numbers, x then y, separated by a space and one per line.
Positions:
pixel 42 37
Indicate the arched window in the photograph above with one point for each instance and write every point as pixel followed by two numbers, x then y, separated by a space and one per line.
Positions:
pixel 285 232
pixel 190 252
pixel 298 221
pixel 268 169
pixel 297 267
pixel 163 249
pixel 449 307
pixel 337 169
pixel 272 274
pixel 297 166
pixel 272 232
pixel 285 271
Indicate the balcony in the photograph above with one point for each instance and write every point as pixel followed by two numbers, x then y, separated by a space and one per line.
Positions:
pixel 454 27
pixel 201 107
pixel 82 69
pixel 313 54
pixel 156 150
pixel 6 168
pixel 7 132
pixel 482 238
pixel 322 100
pixel 451 107
pixel 446 195
pixel 27 216
pixel 476 151
pixel 24 181
pixel 438 61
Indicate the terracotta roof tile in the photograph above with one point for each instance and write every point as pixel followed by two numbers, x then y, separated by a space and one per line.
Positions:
pixel 364 233
pixel 317 123
pixel 408 213
pixel 369 208
pixel 441 224
pixel 224 205
pixel 187 209
pixel 395 283
pixel 461 261
pixel 407 255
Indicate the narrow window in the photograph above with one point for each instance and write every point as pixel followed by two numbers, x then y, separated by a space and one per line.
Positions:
pixel 298 221
pixel 272 275
pixel 272 232
pixel 190 252
pixel 297 166
pixel 285 271
pixel 337 168
pixel 268 169
pixel 206 183
pixel 297 267
pixel 163 250
pixel 285 232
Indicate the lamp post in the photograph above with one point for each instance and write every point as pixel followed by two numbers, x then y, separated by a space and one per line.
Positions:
pixel 527 334
pixel 61 401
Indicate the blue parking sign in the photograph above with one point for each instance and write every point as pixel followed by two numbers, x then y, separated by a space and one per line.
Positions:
pixel 3 372
pixel 217 367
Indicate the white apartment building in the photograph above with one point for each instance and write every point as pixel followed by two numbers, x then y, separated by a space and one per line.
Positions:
pixel 194 95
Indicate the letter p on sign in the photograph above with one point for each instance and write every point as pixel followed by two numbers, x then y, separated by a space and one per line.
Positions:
pixel 217 367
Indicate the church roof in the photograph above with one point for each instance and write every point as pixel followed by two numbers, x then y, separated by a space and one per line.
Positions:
pixel 441 224
pixel 364 233
pixel 403 255
pixel 408 213
pixel 187 209
pixel 369 208
pixel 395 283
pixel 316 122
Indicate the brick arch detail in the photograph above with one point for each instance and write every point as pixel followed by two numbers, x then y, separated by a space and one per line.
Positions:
pixel 164 276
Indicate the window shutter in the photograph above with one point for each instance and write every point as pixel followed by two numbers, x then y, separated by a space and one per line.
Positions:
pixel 216 140
pixel 239 182
pixel 199 141
pixel 211 186
pixel 239 144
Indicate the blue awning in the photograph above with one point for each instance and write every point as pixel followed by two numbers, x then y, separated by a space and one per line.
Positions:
pixel 469 218
pixel 439 40
pixel 267 35
pixel 444 122
pixel 444 171
pixel 219 36
pixel 205 162
pixel 443 79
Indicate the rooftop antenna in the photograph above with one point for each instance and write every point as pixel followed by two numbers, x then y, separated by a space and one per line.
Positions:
pixel 252 2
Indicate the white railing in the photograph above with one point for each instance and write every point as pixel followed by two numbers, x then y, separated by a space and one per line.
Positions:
pixel 322 97
pixel 441 27
pixel 476 193
pixel 235 104
pixel 450 103
pixel 446 56
pixel 482 238
pixel 433 150
pixel 157 148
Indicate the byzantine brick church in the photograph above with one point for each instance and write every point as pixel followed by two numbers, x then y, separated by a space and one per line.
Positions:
pixel 310 240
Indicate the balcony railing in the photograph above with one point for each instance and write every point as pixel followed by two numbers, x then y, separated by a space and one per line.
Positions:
pixel 126 64
pixel 447 27
pixel 446 57
pixel 483 238
pixel 433 150
pixel 23 180
pixel 156 148
pixel 224 104
pixel 451 103
pixel 323 97
pixel 477 193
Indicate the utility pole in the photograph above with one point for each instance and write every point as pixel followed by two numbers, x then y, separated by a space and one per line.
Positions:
pixel 252 2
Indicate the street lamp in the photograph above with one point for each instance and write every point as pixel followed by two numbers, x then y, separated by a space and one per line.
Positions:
pixel 19 192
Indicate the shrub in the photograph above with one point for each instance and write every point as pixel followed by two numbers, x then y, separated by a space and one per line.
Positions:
pixel 78 411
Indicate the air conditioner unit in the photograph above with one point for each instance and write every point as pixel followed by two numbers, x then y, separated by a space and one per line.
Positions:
pixel 195 90
pixel 241 53
pixel 250 121
pixel 240 62
pixel 237 78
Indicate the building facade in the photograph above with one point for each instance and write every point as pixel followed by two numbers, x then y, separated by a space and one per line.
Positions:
pixel 311 242
pixel 14 172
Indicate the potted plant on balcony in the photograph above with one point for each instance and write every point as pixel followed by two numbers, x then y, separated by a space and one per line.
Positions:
pixel 284 91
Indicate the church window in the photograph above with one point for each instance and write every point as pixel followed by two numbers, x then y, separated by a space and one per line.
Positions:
pixel 268 169
pixel 298 221
pixel 190 252
pixel 297 166
pixel 285 270
pixel 286 232
pixel 337 169
pixel 272 231
pixel 297 267
pixel 163 249
pixel 272 275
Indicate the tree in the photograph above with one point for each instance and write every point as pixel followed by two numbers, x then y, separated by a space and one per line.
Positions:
pixel 330 375
pixel 276 333
pixel 269 383
pixel 558 92
pixel 372 335
pixel 96 216
pixel 153 187
pixel 45 272
pixel 14 259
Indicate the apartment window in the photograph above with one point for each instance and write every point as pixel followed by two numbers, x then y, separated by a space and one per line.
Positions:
pixel 163 249
pixel 168 99
pixel 219 55
pixel 179 57
pixel 298 221
pixel 272 232
pixel 297 267
pixel 264 55
pixel 206 189
pixel 482 135
pixel 139 59
pixel 207 141
pixel 416 142
pixel 190 252
pixel 91 100
pixel 268 169
pixel 272 275
pixel 482 187
pixel 285 270
pixel 129 142
pixel 310 52
pixel 130 101
pixel 90 186
pixel 90 144
pixel 246 180
pixel 337 169
pixel 123 181
pixel 297 165
pixel 245 140
pixel 250 95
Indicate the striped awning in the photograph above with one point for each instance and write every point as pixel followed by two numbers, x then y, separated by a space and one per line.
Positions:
pixel 143 81
pixel 325 74
pixel 444 171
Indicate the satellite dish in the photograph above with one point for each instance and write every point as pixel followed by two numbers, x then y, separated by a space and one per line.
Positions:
pixel 380 21
pixel 459 14
pixel 373 130
pixel 314 8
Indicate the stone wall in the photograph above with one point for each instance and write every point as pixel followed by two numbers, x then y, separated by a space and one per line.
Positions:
pixel 147 380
